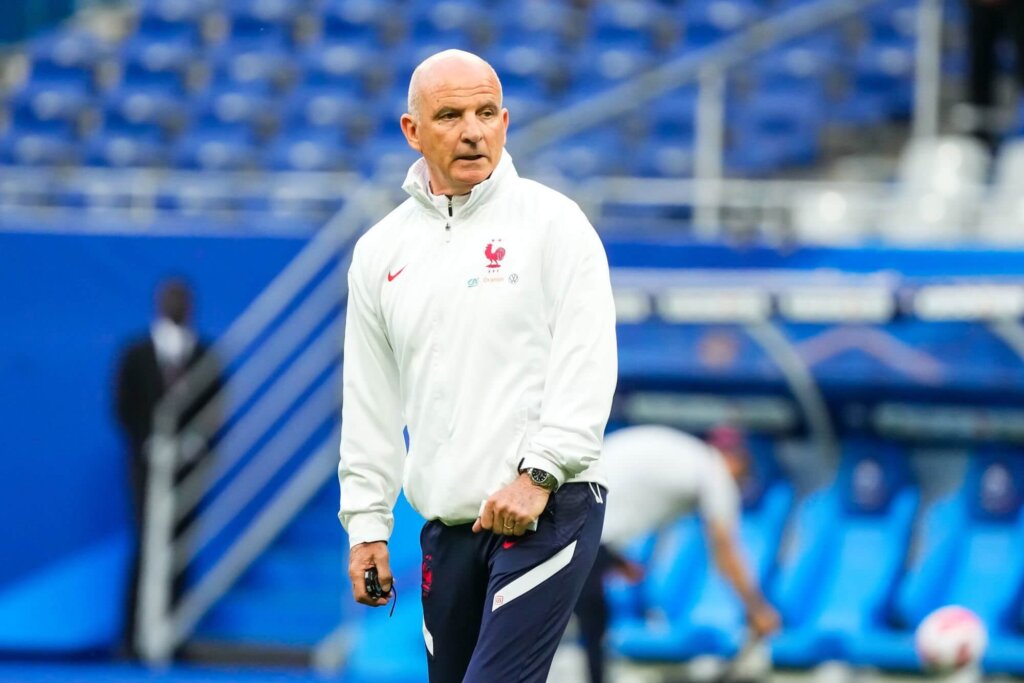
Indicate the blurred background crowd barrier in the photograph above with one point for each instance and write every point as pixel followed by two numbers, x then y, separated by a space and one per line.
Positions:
pixel 814 234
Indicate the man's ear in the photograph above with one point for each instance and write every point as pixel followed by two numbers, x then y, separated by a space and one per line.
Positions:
pixel 411 131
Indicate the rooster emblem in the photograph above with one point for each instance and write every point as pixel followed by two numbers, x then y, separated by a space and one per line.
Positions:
pixel 494 255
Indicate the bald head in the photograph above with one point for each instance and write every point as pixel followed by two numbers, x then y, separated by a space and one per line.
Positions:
pixel 440 68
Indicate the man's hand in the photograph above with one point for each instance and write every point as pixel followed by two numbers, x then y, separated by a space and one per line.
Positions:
pixel 362 557
pixel 763 620
pixel 511 510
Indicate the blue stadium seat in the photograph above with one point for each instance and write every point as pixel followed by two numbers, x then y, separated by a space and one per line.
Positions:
pixel 273 65
pixel 968 554
pixel 281 12
pixel 232 102
pixel 146 94
pixel 177 10
pixel 346 64
pixel 848 547
pixel 323 106
pixel 672 117
pixel 599 151
pixel 171 29
pixel 212 146
pixel 596 68
pixel 707 21
pixel 120 142
pixel 881 87
pixel 462 21
pixel 32 140
pixel 529 69
pixel 632 23
pixel 893 22
pixel 801 66
pixel 663 157
pixel 542 19
pixel 309 149
pixel 250 31
pixel 360 20
pixel 158 55
pixel 690 609
pixel 776 129
pixel 69 48
pixel 387 153
pixel 55 90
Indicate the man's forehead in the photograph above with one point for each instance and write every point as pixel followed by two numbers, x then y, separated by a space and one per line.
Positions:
pixel 462 97
pixel 449 86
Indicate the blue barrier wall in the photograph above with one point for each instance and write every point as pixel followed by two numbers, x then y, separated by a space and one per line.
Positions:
pixel 69 303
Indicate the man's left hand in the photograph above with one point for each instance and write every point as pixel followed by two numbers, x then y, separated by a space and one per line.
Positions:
pixel 764 620
pixel 511 510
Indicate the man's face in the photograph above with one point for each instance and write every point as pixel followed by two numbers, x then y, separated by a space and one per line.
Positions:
pixel 459 127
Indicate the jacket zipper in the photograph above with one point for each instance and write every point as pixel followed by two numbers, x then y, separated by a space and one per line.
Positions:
pixel 448 223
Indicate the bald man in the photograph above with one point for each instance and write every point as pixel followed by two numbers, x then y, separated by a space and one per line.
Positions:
pixel 480 319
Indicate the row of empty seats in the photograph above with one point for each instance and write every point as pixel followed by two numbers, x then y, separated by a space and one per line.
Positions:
pixel 296 84
pixel 947 190
pixel 862 566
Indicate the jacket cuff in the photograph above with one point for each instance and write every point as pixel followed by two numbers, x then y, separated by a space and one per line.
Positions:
pixel 542 463
pixel 367 528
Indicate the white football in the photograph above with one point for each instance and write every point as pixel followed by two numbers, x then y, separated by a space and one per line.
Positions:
pixel 950 638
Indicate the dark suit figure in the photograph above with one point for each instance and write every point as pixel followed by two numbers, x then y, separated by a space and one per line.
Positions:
pixel 148 367
pixel 988 22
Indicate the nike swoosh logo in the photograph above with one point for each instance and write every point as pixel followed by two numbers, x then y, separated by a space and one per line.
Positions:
pixel 508 544
pixel 396 274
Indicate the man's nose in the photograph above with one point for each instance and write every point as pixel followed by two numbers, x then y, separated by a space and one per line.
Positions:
pixel 472 131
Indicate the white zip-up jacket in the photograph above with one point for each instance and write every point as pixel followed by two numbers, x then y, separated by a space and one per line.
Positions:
pixel 487 327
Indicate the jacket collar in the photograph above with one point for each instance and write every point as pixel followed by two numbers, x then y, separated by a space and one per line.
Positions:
pixel 417 184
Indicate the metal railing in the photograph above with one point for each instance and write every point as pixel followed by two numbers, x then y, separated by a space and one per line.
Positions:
pixel 159 200
pixel 281 363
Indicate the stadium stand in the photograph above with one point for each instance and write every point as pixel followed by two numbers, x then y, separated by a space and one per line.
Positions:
pixel 266 115
pixel 184 62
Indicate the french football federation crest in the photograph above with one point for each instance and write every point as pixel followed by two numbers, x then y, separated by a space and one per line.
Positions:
pixel 494 255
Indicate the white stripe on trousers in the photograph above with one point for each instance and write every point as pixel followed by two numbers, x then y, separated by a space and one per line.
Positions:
pixel 533 578
pixel 428 639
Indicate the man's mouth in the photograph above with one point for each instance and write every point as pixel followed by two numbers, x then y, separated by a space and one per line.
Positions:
pixel 469 157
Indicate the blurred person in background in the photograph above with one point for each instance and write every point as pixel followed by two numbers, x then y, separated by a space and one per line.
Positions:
pixel 656 475
pixel 988 21
pixel 147 368
pixel 480 316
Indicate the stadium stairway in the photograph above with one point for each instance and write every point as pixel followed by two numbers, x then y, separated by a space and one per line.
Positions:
pixel 289 600
pixel 297 594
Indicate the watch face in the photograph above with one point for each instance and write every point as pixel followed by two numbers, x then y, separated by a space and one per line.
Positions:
pixel 540 477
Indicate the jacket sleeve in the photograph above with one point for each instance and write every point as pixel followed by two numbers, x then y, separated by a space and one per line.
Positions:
pixel 583 364
pixel 372 443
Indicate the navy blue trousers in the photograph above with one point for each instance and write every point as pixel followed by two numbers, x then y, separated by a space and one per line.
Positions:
pixel 495 607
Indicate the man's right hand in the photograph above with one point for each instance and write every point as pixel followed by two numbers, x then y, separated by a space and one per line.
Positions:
pixel 363 556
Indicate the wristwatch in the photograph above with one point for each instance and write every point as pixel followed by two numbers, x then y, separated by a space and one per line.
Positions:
pixel 543 479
